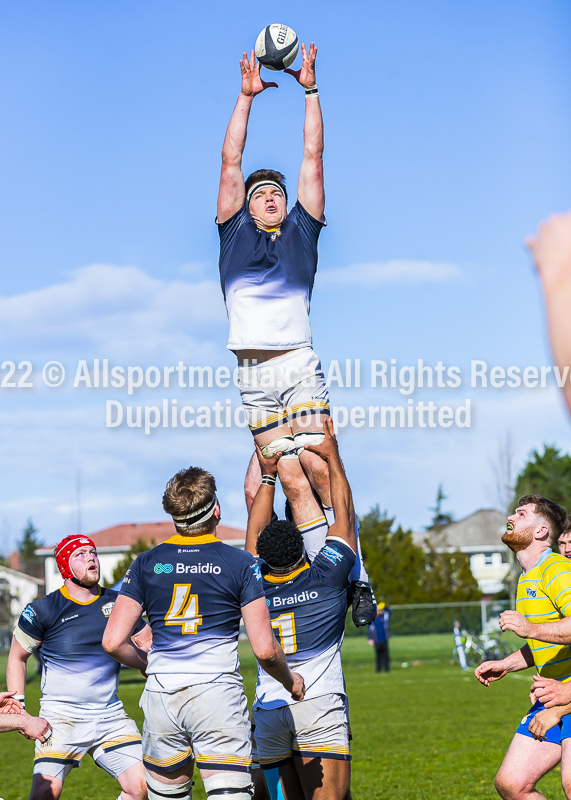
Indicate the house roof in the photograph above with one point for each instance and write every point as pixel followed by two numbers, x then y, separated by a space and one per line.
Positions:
pixel 480 530
pixel 121 537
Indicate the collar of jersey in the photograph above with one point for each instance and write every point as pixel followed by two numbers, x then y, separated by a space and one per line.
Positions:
pixel 542 557
pixel 205 538
pixel 67 596
pixel 270 230
pixel 285 578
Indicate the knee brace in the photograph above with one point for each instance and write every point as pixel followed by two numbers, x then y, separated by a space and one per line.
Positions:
pixel 300 439
pixel 230 785
pixel 285 444
pixel 172 791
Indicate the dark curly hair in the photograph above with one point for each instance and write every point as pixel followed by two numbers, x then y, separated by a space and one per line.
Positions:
pixel 280 544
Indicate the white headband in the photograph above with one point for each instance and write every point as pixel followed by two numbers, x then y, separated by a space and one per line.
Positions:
pixel 253 188
pixel 201 515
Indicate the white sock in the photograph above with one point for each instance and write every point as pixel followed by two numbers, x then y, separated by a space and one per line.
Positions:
pixel 314 532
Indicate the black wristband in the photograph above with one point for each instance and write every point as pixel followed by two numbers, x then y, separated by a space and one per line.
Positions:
pixel 313 91
pixel 268 480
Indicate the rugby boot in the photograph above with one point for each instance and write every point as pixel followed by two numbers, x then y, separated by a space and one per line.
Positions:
pixel 364 604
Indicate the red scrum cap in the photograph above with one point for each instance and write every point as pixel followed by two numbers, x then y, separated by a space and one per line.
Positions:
pixel 65 548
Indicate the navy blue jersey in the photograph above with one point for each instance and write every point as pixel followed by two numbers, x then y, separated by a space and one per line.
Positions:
pixel 192 589
pixel 308 610
pixel 78 676
pixel 267 279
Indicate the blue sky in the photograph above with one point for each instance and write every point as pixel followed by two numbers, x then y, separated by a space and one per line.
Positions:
pixel 447 131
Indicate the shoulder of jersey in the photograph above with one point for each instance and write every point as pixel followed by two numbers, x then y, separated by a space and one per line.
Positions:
pixel 556 559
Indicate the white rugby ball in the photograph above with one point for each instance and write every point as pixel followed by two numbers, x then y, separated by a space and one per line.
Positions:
pixel 277 46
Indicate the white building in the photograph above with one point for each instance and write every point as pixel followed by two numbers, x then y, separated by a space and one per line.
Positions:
pixel 479 536
pixel 20 588
pixel 113 543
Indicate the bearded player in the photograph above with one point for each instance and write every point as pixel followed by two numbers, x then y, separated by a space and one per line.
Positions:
pixel 268 261
pixel 79 679
pixel 544 619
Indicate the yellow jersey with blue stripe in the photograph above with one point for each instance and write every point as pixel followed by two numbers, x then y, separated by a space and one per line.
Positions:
pixel 544 595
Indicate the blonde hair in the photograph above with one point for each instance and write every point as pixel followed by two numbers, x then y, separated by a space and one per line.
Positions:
pixel 189 491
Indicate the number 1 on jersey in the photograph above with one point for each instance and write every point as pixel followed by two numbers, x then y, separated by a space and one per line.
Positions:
pixel 285 626
pixel 184 609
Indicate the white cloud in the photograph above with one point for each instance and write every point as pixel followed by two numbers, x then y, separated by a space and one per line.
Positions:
pixel 398 271
pixel 115 311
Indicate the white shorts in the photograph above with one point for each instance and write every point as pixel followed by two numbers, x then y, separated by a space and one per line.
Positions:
pixel 114 744
pixel 316 728
pixel 288 387
pixel 207 722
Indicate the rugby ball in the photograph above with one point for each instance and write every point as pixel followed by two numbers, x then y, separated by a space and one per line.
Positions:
pixel 277 46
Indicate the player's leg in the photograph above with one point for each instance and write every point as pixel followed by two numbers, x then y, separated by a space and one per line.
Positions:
pixel 116 748
pixel 55 758
pixel 45 787
pixel 566 755
pixel 215 715
pixel 526 761
pixel 321 754
pixel 167 750
pixel 252 481
pixel 323 778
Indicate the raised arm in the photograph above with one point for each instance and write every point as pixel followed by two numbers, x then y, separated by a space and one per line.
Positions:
pixel 262 508
pixel 341 497
pixel 551 250
pixel 231 192
pixel 310 190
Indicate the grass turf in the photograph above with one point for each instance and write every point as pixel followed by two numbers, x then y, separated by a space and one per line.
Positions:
pixel 422 732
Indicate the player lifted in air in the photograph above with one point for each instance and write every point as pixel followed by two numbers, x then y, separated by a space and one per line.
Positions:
pixel 268 262
pixel 194 589
pixel 79 679
pixel 543 617
pixel 307 742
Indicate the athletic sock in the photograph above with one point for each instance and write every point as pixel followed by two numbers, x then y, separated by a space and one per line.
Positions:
pixel 314 532
pixel 329 515
pixel 358 573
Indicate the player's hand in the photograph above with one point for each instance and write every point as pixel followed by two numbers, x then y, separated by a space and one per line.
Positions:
pixel 551 248
pixel 252 84
pixel 9 704
pixel 306 75
pixel 268 466
pixel 328 450
pixel 516 622
pixel 490 671
pixel 550 692
pixel 542 722
pixel 298 688
pixel 37 728
pixel 370 642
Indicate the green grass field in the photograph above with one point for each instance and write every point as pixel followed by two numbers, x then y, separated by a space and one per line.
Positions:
pixel 421 732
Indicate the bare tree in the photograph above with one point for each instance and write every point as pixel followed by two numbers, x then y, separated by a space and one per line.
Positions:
pixel 503 470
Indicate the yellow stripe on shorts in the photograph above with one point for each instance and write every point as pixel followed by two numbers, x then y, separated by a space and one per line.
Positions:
pixel 166 762
pixel 122 740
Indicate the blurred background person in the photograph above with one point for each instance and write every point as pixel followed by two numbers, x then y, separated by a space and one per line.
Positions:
pixel 379 635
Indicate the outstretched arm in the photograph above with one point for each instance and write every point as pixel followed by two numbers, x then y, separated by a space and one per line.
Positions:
pixel 551 250
pixel 310 190
pixel 262 508
pixel 231 191
pixel 341 497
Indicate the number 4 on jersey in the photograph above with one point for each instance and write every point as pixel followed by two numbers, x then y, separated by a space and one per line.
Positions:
pixel 285 626
pixel 184 609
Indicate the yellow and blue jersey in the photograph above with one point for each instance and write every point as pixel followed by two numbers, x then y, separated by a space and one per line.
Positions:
pixel 192 589
pixel 79 678
pixel 307 611
pixel 544 595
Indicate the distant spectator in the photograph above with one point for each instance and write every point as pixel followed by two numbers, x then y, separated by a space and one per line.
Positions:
pixel 379 635
pixel 564 541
